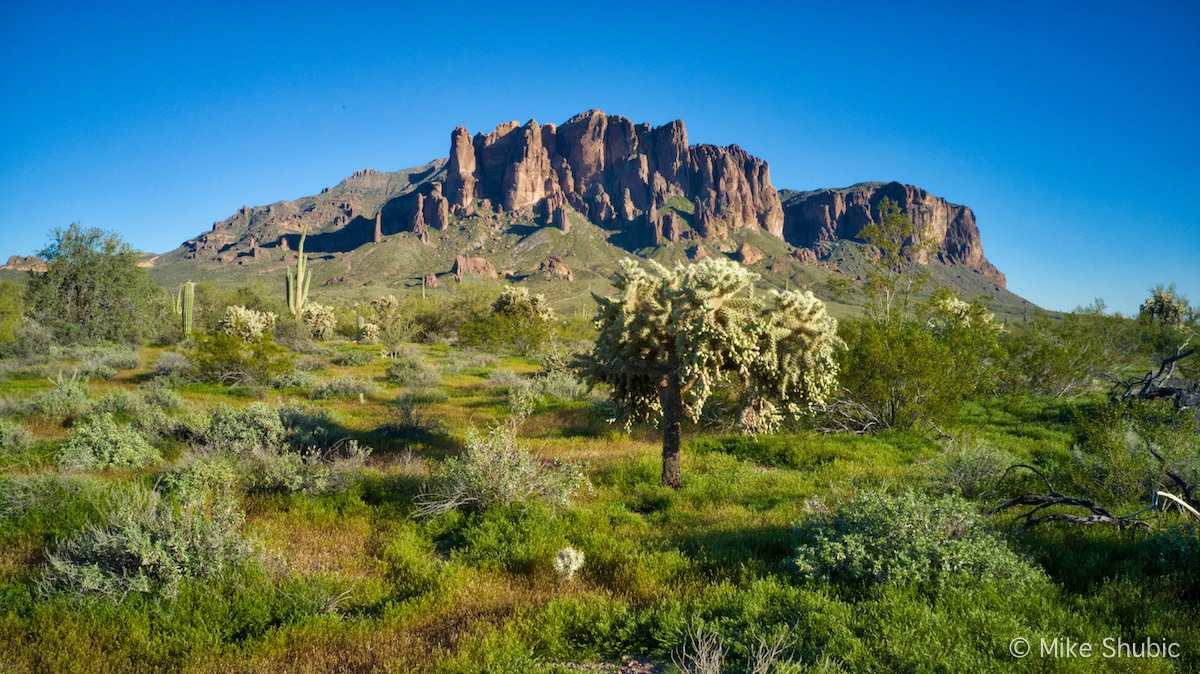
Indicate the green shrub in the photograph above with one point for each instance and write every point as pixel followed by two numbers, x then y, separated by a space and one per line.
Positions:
pixel 408 368
pixel 495 470
pixel 13 437
pixel 172 364
pixel 148 545
pixel 904 539
pixel 244 432
pixel 344 387
pixel 100 442
pixel 229 359
pixel 289 472
pixel 295 379
pixel 468 361
pixel 521 334
pixel 67 399
pixel 162 397
pixel 199 480
pixel 31 343
pixel 354 359
pixel 12 307
pixel 972 470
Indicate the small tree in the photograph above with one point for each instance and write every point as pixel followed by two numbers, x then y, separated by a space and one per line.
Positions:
pixel 669 336
pixel 93 289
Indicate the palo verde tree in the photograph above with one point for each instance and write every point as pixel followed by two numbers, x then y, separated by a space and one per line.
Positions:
pixel 93 289
pixel 669 336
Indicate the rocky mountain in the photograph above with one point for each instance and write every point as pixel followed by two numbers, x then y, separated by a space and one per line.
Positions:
pixel 812 219
pixel 505 203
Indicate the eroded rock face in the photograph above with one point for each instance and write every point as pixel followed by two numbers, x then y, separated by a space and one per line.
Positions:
pixel 472 266
pixel 26 263
pixel 827 215
pixel 613 171
pixel 749 255
pixel 553 268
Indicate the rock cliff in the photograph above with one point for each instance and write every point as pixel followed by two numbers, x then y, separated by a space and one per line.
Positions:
pixel 612 171
pixel 821 216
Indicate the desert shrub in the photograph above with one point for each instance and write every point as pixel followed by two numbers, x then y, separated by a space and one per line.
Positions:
pixel 305 428
pixel 162 397
pixel 122 403
pixel 295 379
pixel 468 361
pixel 227 359
pixel 290 472
pixel 904 539
pixel 244 432
pixel 13 437
pixel 354 359
pixel 972 470
pixel 148 544
pixel 320 319
pixel 496 470
pixel 558 384
pixel 67 399
pixel 100 442
pixel 171 365
pixel 505 379
pixel 12 307
pixel 31 342
pixel 246 324
pixel 344 387
pixel 200 479
pixel 408 368
pixel 521 334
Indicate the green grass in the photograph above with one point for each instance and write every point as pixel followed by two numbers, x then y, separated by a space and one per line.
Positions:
pixel 350 581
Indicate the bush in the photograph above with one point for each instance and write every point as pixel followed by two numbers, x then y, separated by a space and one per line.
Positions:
pixel 469 361
pixel 30 342
pixel 906 539
pixel 495 470
pixel 67 399
pixel 171 364
pixel 295 379
pixel 245 432
pixel 289 473
pixel 12 307
pixel 344 387
pixel 409 369
pixel 974 469
pixel 148 545
pixel 13 437
pixel 521 334
pixel 100 442
pixel 354 359
pixel 226 359
pixel 199 480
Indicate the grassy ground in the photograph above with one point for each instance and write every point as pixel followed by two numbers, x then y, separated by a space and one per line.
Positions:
pixel 351 581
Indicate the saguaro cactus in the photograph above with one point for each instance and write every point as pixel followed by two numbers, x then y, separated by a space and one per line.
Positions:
pixel 186 305
pixel 297 283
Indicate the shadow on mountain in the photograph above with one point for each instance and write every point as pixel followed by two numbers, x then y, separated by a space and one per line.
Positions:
pixel 359 231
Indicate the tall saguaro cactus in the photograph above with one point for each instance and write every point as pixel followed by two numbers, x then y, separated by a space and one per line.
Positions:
pixel 185 304
pixel 297 283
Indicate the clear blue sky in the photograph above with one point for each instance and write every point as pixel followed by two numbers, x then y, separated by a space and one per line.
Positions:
pixel 1071 128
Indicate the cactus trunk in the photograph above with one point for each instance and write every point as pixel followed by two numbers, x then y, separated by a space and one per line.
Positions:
pixel 297 283
pixel 187 305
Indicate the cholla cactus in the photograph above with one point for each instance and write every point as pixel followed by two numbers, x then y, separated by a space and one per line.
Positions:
pixel 670 335
pixel 320 320
pixel 516 301
pixel 368 333
pixel 950 308
pixel 567 562
pixel 247 324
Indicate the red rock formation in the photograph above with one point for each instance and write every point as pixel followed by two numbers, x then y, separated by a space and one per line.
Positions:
pixel 826 215
pixel 805 255
pixel 554 268
pixel 472 266
pixel 613 171
pixel 431 281
pixel 749 255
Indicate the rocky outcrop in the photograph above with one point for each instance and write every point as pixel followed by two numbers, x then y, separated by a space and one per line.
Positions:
pixel 613 171
pixel 553 268
pixel 26 263
pixel 472 266
pixel 749 255
pixel 805 255
pixel 813 218
pixel 431 281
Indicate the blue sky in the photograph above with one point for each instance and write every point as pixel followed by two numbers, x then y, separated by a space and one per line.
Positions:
pixel 1072 129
